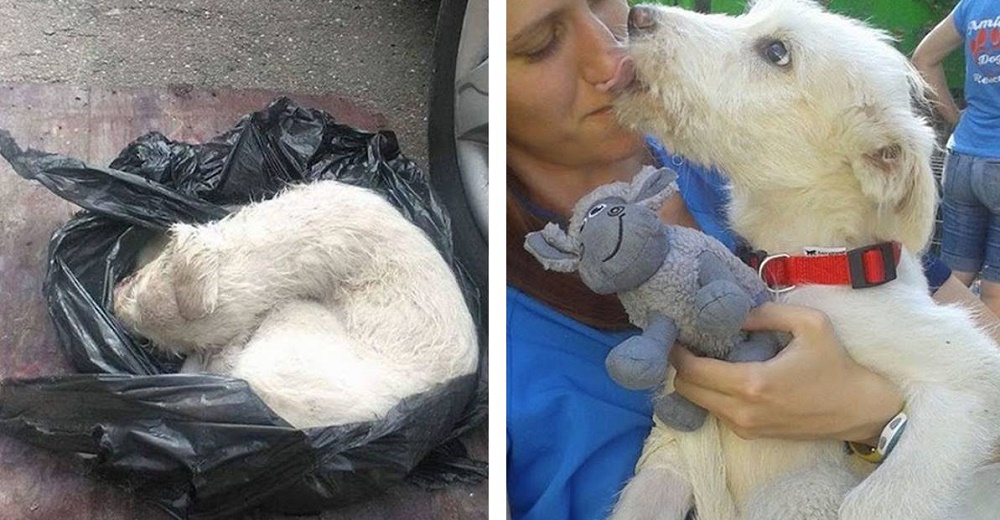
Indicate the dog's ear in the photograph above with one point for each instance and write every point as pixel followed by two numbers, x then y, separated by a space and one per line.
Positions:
pixel 893 168
pixel 554 249
pixel 195 264
pixel 652 186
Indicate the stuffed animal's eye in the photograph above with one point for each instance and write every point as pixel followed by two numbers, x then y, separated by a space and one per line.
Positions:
pixel 615 211
pixel 596 209
pixel 777 53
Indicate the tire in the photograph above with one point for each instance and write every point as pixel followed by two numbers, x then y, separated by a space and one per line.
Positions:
pixel 458 128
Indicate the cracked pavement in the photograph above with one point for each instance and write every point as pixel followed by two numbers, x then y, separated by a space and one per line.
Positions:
pixel 376 51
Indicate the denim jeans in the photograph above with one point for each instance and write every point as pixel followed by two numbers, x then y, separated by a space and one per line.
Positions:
pixel 970 239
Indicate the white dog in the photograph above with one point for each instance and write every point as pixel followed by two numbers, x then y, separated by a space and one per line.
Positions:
pixel 329 303
pixel 809 114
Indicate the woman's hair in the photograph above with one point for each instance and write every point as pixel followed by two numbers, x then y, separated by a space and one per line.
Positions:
pixel 564 292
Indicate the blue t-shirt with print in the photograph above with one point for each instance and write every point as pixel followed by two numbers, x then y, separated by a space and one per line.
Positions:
pixel 978 131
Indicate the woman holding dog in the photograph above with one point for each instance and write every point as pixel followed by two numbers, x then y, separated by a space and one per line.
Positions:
pixel 970 242
pixel 573 435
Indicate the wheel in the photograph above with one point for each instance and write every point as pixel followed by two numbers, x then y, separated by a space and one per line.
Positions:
pixel 458 131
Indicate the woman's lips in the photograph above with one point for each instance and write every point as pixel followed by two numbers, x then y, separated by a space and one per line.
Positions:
pixel 606 109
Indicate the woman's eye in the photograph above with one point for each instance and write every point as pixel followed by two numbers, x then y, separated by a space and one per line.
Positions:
pixel 777 53
pixel 548 48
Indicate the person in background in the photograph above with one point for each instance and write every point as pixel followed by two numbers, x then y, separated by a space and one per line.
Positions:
pixel 573 435
pixel 970 242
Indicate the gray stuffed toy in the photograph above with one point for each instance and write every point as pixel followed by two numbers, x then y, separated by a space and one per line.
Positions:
pixel 676 283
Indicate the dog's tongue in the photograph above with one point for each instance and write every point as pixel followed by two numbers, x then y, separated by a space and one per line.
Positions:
pixel 622 78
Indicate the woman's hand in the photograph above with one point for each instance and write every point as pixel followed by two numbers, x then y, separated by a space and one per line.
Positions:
pixel 811 390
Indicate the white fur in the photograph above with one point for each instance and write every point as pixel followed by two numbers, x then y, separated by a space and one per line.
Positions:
pixel 824 152
pixel 329 303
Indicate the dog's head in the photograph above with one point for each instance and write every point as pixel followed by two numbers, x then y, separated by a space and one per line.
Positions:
pixel 165 299
pixel 792 98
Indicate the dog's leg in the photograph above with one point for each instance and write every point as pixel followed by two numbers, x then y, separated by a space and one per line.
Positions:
pixel 811 494
pixel 655 493
pixel 678 471
pixel 661 488
pixel 948 435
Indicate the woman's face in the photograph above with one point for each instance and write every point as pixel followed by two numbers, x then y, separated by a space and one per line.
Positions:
pixel 564 65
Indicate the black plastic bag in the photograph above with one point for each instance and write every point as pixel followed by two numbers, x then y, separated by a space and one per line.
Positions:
pixel 204 446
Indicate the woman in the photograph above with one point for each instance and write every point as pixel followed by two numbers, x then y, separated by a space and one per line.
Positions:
pixel 970 241
pixel 574 435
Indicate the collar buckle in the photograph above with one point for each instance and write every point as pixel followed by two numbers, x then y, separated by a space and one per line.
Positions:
pixel 856 264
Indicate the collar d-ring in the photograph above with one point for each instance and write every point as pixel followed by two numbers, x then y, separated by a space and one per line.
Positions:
pixel 760 273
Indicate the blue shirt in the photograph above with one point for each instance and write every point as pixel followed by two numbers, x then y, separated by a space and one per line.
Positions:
pixel 978 130
pixel 573 434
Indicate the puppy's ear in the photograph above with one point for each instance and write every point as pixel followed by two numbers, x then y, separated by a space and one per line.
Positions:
pixel 894 170
pixel 195 264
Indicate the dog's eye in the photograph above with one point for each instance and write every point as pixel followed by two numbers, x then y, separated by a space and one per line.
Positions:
pixel 776 52
pixel 596 209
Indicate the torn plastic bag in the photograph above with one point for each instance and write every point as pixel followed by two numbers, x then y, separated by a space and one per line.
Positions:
pixel 205 446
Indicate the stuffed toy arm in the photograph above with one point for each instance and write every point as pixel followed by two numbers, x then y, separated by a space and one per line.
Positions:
pixel 722 305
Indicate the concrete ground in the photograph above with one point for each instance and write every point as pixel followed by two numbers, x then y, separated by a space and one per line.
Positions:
pixel 376 51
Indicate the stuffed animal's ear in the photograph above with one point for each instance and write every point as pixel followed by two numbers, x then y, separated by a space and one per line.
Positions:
pixel 554 249
pixel 652 186
pixel 194 257
pixel 893 168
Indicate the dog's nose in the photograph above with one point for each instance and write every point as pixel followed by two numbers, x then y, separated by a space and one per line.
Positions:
pixel 641 19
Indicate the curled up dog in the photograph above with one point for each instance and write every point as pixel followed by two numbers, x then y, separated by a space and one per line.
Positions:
pixel 325 299
pixel 811 115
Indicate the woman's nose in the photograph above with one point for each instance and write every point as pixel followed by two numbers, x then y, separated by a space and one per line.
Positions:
pixel 604 61
pixel 641 19
pixel 622 74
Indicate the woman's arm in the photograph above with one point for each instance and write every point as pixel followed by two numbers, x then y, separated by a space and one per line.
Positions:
pixel 954 292
pixel 842 400
pixel 812 389
pixel 927 58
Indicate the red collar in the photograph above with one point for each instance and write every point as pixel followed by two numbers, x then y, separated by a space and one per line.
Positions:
pixel 863 267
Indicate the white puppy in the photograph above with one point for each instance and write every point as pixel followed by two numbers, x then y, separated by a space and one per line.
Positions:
pixel 810 114
pixel 329 303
